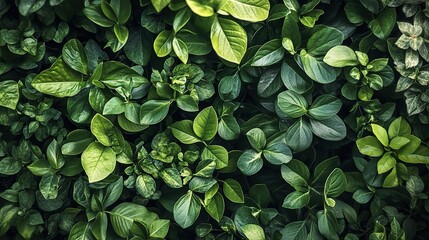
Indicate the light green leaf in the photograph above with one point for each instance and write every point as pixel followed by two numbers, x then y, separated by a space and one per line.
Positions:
pixel 59 80
pixel 180 49
pixel 159 228
pixel 296 200
pixel 217 153
pixel 292 104
pixel 154 111
pixel 229 39
pixel 216 207
pixel 386 163
pixel 370 146
pixel 248 10
pixel 269 53
pixel 163 43
pixel 123 216
pixel 183 131
pixel 341 56
pixel 145 185
pixel 381 134
pixel 98 161
pixel 160 4
pixel 205 124
pixel 171 177
pixel 9 94
pixel 253 231
pixel 233 191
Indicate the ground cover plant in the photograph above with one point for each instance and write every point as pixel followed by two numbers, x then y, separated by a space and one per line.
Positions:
pixel 217 119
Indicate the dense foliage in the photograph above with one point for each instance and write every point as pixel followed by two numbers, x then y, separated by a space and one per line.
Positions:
pixel 214 119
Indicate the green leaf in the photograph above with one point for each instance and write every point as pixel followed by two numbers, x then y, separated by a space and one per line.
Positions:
pixel 323 40
pixel 335 184
pixel 327 224
pixel 171 177
pixel 154 111
pixel 160 4
pixel 49 185
pixel 269 53
pixel 294 78
pixel 253 231
pixel 217 153
pixel 386 163
pixel 250 162
pixel 383 24
pixel 122 9
pixel 9 94
pixel 317 69
pixel 201 185
pixel 159 228
pixel 180 49
pixel 229 39
pixel 293 172
pixel 95 14
pixel 205 168
pixel 228 128
pixel 186 210
pixel 295 231
pixel 410 147
pixel 233 191
pixel 182 17
pixel 341 56
pixel 201 7
pixel 187 103
pixel 121 33
pixel 277 151
pixel 216 207
pixel 114 106
pixel 205 124
pixel 124 215
pixel 98 161
pixel 296 200
pixel 105 131
pixel 145 185
pixel 74 56
pixel 59 80
pixel 139 46
pixel 292 104
pixel 398 127
pixel 325 106
pixel 362 196
pixel 381 134
pixel 331 129
pixel 248 10
pixel 99 226
pixel 370 146
pixel 183 131
pixel 54 155
pixel 299 135
pixel 81 231
pixel 163 43
pixel 256 138
pixel 398 142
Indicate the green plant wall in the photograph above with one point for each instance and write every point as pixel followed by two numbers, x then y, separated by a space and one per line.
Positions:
pixel 214 119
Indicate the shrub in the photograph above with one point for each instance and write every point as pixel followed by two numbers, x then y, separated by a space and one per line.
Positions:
pixel 220 119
